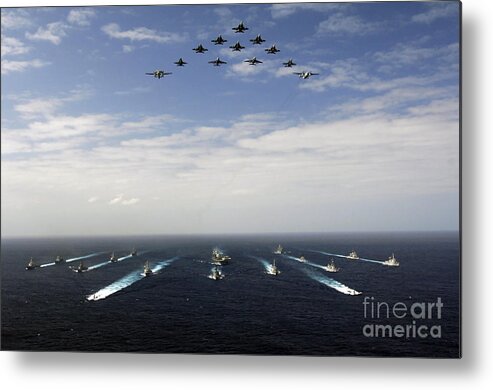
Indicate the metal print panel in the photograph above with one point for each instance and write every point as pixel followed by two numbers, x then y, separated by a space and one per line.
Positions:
pixel 271 179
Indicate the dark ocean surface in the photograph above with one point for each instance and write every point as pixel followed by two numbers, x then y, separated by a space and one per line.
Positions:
pixel 180 309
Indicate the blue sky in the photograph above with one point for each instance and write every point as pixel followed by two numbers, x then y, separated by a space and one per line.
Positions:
pixel 91 145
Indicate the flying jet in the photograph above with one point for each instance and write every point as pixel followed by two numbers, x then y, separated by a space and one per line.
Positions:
pixel 240 28
pixel 180 62
pixel 200 49
pixel 219 40
pixel 237 47
pixel 257 40
pixel 217 62
pixel 159 74
pixel 288 64
pixel 253 61
pixel 305 75
pixel 272 50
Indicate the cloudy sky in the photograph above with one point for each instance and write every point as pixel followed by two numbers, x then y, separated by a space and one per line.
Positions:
pixel 92 145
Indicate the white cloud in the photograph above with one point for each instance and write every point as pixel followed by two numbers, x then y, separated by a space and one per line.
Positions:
pixel 14 19
pixel 54 32
pixel 38 107
pixel 128 48
pixel 437 10
pixel 262 167
pixel 20 66
pixel 120 199
pixel 279 11
pixel 339 23
pixel 405 54
pixel 81 17
pixel 116 199
pixel 46 106
pixel 141 34
pixel 93 199
pixel 13 46
pixel 131 201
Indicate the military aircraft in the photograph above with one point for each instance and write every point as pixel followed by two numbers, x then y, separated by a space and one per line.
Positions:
pixel 240 28
pixel 272 50
pixel 305 75
pixel 257 40
pixel 288 64
pixel 200 49
pixel 253 61
pixel 237 47
pixel 158 73
pixel 217 62
pixel 180 62
pixel 219 40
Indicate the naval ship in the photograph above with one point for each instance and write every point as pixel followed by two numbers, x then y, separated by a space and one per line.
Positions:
pixel 147 269
pixel 331 267
pixel 273 270
pixel 59 260
pixel 216 274
pixel 81 267
pixel 279 250
pixel 31 265
pixel 353 255
pixel 392 261
pixel 219 258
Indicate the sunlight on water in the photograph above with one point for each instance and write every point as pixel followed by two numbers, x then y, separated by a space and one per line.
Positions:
pixel 127 281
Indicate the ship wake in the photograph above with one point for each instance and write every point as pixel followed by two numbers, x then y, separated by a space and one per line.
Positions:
pixel 305 262
pixel 347 257
pixel 127 281
pixel 332 283
pixel 84 257
pixel 267 266
pixel 72 259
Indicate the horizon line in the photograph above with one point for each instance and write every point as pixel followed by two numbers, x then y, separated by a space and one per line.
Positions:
pixel 2 237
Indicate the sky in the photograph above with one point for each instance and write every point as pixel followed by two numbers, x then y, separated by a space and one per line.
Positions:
pixel 91 145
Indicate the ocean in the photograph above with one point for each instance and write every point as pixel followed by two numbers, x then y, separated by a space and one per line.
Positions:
pixel 364 309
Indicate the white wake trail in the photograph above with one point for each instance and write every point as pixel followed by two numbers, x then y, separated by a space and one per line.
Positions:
pixel 127 281
pixel 329 282
pixel 305 262
pixel 47 265
pixel 83 257
pixel 96 266
pixel 347 257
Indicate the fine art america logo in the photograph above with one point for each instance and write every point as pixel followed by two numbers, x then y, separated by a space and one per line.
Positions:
pixel 402 320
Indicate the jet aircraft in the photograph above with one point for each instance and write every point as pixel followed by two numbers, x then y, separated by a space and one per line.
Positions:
pixel 219 40
pixel 253 61
pixel 272 50
pixel 158 74
pixel 240 28
pixel 237 47
pixel 217 62
pixel 257 40
pixel 305 75
pixel 200 49
pixel 288 64
pixel 180 62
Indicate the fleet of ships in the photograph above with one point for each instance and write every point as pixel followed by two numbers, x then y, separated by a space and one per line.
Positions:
pixel 219 259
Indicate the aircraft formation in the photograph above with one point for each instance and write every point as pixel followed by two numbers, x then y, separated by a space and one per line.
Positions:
pixel 240 28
